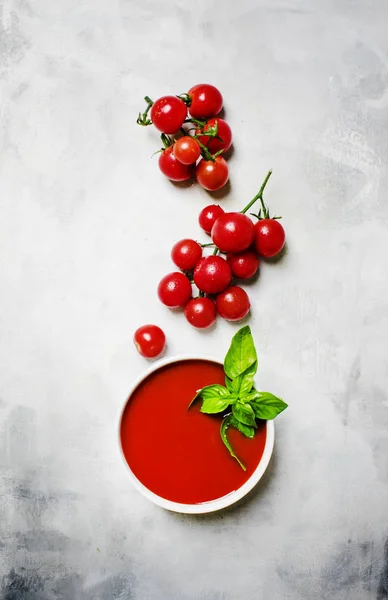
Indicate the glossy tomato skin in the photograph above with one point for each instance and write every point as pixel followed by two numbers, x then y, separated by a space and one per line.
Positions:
pixel 201 312
pixel 233 303
pixel 212 174
pixel 185 254
pixel 174 290
pixel 149 340
pixel 206 101
pixel 168 114
pixel 244 265
pixel 172 168
pixel 187 150
pixel 224 132
pixel 270 237
pixel 233 232
pixel 208 216
pixel 212 274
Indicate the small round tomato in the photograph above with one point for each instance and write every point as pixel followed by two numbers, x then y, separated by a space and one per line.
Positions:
pixel 149 340
pixel 187 150
pixel 185 254
pixel 200 312
pixel 172 168
pixel 233 303
pixel 212 274
pixel 224 132
pixel 212 174
pixel 208 216
pixel 270 237
pixel 168 114
pixel 233 232
pixel 174 290
pixel 243 265
pixel 206 101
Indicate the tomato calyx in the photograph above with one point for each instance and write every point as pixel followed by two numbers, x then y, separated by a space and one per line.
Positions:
pixel 143 118
pixel 186 98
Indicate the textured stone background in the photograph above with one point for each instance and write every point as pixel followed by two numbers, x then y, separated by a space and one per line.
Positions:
pixel 86 225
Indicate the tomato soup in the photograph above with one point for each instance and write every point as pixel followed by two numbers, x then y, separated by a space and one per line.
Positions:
pixel 178 453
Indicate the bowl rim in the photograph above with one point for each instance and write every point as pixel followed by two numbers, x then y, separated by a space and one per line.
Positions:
pixel 211 505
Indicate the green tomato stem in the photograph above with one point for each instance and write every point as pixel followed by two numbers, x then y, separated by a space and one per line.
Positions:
pixel 259 196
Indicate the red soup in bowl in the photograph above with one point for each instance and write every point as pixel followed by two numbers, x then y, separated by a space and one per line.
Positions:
pixel 175 455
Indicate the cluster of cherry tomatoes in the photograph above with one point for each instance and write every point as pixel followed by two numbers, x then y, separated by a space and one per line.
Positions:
pixel 200 138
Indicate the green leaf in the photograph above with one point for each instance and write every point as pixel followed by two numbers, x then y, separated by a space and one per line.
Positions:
pixel 247 430
pixel 241 354
pixel 244 413
pixel 214 405
pixel 226 423
pixel 245 380
pixel 267 406
pixel 210 391
pixel 229 384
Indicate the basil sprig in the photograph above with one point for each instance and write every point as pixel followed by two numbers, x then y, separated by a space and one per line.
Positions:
pixel 241 402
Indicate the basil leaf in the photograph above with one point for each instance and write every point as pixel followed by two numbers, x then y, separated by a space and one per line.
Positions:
pixel 244 382
pixel 244 413
pixel 214 405
pixel 267 406
pixel 247 430
pixel 226 423
pixel 241 354
pixel 229 384
pixel 210 391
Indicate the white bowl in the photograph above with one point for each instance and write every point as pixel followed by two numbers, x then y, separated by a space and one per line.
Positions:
pixel 211 505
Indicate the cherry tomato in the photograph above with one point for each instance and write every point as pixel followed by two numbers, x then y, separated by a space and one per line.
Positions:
pixel 224 132
pixel 233 304
pixel 212 274
pixel 172 168
pixel 209 215
pixel 168 114
pixel 206 101
pixel 187 150
pixel 270 237
pixel 149 340
pixel 212 174
pixel 200 312
pixel 174 290
pixel 185 254
pixel 244 264
pixel 233 232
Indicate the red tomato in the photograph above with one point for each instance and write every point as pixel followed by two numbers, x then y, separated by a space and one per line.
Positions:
pixel 212 174
pixel 172 168
pixel 168 114
pixel 270 237
pixel 174 290
pixel 233 232
pixel 233 304
pixel 224 132
pixel 244 264
pixel 149 340
pixel 200 312
pixel 187 150
pixel 206 101
pixel 212 274
pixel 209 215
pixel 185 254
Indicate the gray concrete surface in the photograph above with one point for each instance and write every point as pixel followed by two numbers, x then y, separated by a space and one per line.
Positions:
pixel 87 223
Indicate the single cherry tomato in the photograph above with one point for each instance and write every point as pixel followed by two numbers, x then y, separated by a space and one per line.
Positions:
pixel 149 340
pixel 244 264
pixel 174 290
pixel 270 237
pixel 212 274
pixel 208 216
pixel 212 174
pixel 172 168
pixel 200 312
pixel 206 101
pixel 187 150
pixel 168 114
pixel 233 232
pixel 224 132
pixel 185 254
pixel 233 303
